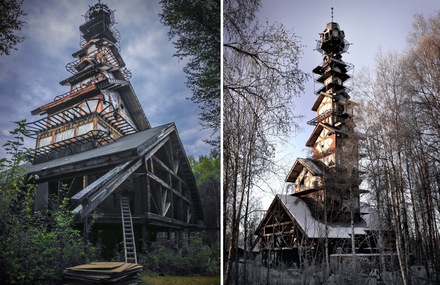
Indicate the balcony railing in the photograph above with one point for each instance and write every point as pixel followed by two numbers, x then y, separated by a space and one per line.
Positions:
pixel 85 109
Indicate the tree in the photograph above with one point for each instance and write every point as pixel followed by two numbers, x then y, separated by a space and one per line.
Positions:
pixel 392 126
pixel 401 154
pixel 399 118
pixel 260 78
pixel 196 27
pixel 207 173
pixel 422 82
pixel 35 247
pixel 10 13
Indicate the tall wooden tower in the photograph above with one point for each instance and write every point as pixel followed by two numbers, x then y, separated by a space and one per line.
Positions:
pixel 323 215
pixel 329 178
pixel 96 147
pixel 100 106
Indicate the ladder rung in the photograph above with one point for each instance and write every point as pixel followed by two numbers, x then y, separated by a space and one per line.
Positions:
pixel 127 231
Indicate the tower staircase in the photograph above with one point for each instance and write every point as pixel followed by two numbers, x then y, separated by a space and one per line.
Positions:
pixel 127 231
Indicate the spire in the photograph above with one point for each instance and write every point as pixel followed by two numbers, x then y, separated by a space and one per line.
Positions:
pixel 332 14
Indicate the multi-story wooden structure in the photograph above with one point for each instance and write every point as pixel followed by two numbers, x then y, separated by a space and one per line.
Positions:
pixel 325 201
pixel 95 146
pixel 330 177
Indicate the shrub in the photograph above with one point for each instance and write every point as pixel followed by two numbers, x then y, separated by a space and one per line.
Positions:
pixel 34 247
pixel 193 258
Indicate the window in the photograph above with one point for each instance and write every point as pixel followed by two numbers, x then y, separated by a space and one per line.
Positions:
pixel 86 82
pixel 108 75
pixel 44 141
pixel 84 129
pixel 64 135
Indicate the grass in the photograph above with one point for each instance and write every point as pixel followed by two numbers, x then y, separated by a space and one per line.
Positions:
pixel 179 280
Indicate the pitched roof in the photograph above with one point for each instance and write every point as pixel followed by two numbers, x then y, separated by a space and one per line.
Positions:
pixel 317 131
pixel 124 152
pixel 126 147
pixel 300 212
pixel 316 167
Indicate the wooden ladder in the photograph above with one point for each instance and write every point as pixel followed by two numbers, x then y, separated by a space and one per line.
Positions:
pixel 127 231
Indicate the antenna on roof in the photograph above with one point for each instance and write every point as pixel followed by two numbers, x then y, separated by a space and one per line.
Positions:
pixel 332 14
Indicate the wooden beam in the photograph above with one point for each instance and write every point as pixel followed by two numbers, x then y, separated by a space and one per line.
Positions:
pixel 163 183
pixel 164 166
pixel 279 224
pixel 103 192
pixel 155 149
pixel 154 219
pixel 89 190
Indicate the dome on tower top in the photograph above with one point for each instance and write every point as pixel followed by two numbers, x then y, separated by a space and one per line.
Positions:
pixel 332 26
pixel 332 40
pixel 100 24
pixel 99 10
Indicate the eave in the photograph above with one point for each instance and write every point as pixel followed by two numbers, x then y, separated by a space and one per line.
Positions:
pixel 319 100
pixel 310 164
pixel 120 159
pixel 67 101
pixel 317 131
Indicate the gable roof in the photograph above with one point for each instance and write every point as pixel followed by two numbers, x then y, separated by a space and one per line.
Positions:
pixel 317 131
pixel 75 96
pixel 298 210
pixel 316 167
pixel 127 147
pixel 126 154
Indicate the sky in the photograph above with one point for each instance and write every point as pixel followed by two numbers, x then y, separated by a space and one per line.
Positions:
pixel 368 26
pixel 30 76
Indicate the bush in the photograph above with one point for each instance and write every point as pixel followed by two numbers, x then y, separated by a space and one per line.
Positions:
pixel 34 247
pixel 38 249
pixel 193 258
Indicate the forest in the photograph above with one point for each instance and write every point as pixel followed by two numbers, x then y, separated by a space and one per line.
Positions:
pixel 399 107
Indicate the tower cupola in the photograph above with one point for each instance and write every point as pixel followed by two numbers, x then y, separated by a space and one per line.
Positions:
pixel 332 41
pixel 99 24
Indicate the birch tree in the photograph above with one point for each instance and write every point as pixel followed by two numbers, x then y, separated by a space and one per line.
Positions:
pixel 388 102
pixel 423 83
pixel 260 78
pixel 401 106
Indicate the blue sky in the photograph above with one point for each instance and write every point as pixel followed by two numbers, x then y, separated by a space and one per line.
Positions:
pixel 368 25
pixel 30 76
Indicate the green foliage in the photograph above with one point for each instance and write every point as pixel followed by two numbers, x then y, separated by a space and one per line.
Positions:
pixel 37 250
pixel 34 247
pixel 193 258
pixel 195 26
pixel 10 13
pixel 207 169
pixel 207 173
pixel 179 280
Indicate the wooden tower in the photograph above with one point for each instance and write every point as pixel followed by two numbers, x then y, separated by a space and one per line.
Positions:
pixel 323 215
pixel 100 106
pixel 96 147
pixel 329 179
